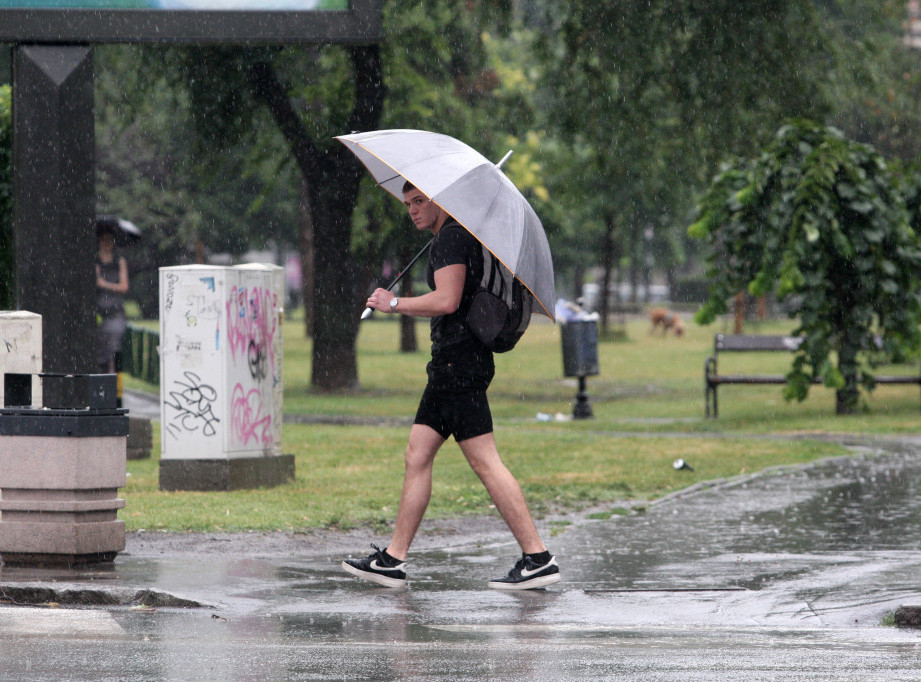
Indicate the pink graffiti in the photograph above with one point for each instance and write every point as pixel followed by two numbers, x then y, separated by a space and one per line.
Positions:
pixel 246 420
pixel 251 328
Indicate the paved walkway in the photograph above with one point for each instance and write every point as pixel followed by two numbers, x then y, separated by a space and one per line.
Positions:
pixel 787 575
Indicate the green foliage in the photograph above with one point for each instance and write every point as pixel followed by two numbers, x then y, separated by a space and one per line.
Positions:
pixel 147 172
pixel 880 102
pixel 650 96
pixel 437 78
pixel 821 218
pixel 7 256
pixel 659 93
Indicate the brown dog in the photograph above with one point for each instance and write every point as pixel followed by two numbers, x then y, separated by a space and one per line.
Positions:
pixel 666 319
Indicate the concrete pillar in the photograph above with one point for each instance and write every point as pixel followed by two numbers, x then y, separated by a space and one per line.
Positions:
pixel 54 199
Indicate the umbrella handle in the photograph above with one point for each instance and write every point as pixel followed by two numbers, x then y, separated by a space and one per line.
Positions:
pixel 367 313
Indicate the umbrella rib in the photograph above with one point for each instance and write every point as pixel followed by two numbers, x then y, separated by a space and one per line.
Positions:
pixel 392 177
pixel 368 168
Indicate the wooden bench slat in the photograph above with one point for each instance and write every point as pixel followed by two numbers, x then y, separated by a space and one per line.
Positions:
pixel 898 379
pixel 748 379
pixel 749 343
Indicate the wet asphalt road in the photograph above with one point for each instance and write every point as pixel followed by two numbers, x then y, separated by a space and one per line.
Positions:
pixel 785 576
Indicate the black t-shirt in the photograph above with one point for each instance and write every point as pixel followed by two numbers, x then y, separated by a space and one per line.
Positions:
pixel 455 350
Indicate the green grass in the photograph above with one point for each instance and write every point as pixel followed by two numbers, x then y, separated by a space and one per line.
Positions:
pixel 648 407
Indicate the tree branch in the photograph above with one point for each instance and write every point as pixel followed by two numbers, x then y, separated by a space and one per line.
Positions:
pixel 275 96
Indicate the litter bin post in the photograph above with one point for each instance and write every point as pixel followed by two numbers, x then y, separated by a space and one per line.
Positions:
pixel 580 359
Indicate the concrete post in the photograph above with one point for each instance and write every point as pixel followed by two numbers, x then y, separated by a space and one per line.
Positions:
pixel 54 198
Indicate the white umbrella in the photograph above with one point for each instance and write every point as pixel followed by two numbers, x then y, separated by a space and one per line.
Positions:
pixel 473 190
pixel 130 229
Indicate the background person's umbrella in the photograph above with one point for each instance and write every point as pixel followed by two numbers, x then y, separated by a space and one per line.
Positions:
pixel 473 190
pixel 125 231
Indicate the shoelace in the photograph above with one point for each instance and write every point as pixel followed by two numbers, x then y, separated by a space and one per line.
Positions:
pixel 520 564
pixel 379 553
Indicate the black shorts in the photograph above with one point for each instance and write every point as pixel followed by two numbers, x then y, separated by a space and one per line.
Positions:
pixel 462 413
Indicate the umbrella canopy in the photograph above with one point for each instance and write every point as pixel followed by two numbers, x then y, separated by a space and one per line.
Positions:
pixel 473 190
pixel 125 231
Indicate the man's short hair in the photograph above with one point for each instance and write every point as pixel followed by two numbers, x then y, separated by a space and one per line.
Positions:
pixel 408 187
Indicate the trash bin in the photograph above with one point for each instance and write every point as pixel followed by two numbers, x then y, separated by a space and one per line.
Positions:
pixel 60 470
pixel 580 359
pixel 580 348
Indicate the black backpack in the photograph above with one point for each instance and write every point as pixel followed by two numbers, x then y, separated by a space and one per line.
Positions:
pixel 500 309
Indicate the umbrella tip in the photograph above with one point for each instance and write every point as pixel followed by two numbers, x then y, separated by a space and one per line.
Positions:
pixel 505 158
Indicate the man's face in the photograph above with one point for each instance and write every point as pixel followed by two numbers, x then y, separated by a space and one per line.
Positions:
pixel 422 210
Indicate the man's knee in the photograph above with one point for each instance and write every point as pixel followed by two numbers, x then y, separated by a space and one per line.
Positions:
pixel 423 445
pixel 482 455
pixel 416 459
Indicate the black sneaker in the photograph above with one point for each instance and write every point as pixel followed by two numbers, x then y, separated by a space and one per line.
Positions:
pixel 528 575
pixel 379 567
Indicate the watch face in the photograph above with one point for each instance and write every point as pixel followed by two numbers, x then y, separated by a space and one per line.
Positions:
pixel 393 302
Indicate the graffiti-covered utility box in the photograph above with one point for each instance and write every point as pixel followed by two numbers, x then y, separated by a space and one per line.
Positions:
pixel 221 377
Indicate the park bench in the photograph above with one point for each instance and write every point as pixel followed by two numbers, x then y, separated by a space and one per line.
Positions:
pixel 749 343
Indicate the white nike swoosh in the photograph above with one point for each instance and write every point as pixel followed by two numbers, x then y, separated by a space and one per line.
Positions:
pixel 377 567
pixel 525 573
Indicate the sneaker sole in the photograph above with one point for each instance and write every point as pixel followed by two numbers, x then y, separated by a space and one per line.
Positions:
pixel 374 577
pixel 532 584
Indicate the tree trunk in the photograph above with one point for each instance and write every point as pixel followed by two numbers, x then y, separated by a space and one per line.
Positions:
pixel 336 290
pixel 847 399
pixel 332 177
pixel 578 279
pixel 408 341
pixel 604 303
pixel 305 247
pixel 738 313
pixel 634 272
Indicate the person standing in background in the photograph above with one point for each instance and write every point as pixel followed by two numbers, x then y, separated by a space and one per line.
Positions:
pixel 111 287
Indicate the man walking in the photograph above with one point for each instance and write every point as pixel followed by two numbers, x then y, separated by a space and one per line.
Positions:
pixel 453 404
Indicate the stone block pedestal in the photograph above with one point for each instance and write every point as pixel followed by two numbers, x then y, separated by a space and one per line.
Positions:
pixel 60 471
pixel 140 438
pixel 226 474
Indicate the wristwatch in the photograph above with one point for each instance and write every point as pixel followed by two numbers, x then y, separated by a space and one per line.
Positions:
pixel 393 303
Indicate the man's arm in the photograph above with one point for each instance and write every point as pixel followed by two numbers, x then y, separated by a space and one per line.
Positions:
pixel 444 300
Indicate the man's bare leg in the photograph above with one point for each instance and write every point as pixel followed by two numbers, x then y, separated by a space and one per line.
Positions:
pixel 424 443
pixel 483 455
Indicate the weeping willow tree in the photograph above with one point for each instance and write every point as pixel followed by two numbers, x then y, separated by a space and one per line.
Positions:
pixel 819 218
